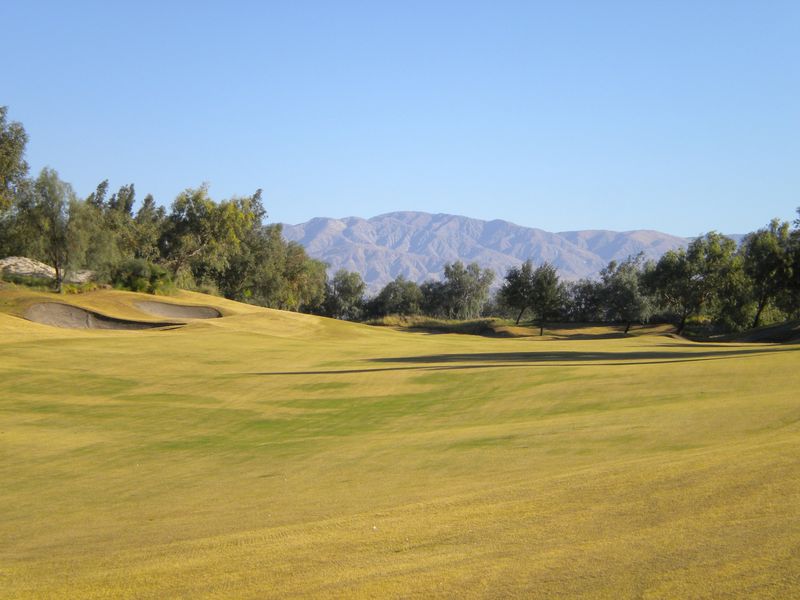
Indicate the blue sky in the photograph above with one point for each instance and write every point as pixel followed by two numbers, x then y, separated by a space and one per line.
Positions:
pixel 677 116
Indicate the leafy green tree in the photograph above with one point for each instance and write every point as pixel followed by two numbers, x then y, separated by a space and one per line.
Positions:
pixel 547 294
pixel 51 214
pixel 123 200
pixel 148 226
pixel 15 238
pixel 466 289
pixel 518 290
pixel 344 296
pixel 13 167
pixel 671 282
pixel 734 308
pixel 200 236
pixel 111 230
pixel 624 295
pixel 583 302
pixel 434 299
pixel 792 297
pixel 306 278
pixel 398 297
pixel 768 263
pixel 98 197
pixel 268 271
pixel 688 281
pixel 257 273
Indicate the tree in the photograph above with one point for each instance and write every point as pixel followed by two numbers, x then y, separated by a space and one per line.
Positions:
pixel 98 197
pixel 306 279
pixel 734 308
pixel 148 225
pixel 51 213
pixel 398 297
pixel 268 271
pixel 623 294
pixel 344 296
pixel 200 236
pixel 687 281
pixel 123 200
pixel 792 297
pixel 768 263
pixel 518 291
pixel 112 238
pixel 547 294
pixel 466 289
pixel 434 299
pixel 584 301
pixel 13 167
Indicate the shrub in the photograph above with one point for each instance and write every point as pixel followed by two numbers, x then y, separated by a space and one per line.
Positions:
pixel 140 275
pixel 26 280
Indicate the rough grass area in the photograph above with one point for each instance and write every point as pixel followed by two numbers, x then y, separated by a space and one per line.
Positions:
pixel 493 327
pixel 505 328
pixel 270 454
pixel 788 331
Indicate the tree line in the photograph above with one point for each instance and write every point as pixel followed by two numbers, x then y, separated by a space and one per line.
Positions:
pixel 714 284
pixel 225 247
pixel 221 247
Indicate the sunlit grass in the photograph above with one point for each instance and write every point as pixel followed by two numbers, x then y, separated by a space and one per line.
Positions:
pixel 269 454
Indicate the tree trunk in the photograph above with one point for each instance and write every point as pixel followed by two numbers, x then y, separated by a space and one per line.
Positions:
pixel 519 316
pixel 59 271
pixel 682 323
pixel 627 327
pixel 761 304
pixel 541 328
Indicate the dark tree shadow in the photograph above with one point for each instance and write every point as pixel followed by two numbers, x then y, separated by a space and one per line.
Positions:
pixel 581 357
pixel 504 360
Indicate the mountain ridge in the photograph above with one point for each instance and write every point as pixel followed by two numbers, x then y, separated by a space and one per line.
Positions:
pixel 418 244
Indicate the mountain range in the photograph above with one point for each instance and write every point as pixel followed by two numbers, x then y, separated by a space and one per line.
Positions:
pixel 417 245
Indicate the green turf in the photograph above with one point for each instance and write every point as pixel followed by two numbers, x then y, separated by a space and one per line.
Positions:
pixel 270 454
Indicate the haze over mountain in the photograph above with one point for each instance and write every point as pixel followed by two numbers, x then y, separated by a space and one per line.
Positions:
pixel 417 245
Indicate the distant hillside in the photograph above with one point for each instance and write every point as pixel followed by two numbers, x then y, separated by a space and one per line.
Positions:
pixel 417 245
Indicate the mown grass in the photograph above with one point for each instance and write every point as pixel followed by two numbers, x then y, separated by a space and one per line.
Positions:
pixel 506 328
pixel 270 454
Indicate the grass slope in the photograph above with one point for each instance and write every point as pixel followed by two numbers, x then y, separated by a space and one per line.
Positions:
pixel 271 454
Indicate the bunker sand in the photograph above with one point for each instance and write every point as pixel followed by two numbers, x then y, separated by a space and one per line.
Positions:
pixel 68 316
pixel 177 311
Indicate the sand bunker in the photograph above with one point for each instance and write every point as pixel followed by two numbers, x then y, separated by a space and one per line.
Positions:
pixel 177 311
pixel 72 317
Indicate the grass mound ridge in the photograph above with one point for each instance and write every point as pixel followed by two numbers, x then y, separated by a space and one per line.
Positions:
pixel 778 333
pixel 177 311
pixel 57 314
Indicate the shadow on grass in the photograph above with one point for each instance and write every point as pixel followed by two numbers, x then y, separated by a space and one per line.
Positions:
pixel 558 336
pixel 621 358
pixel 489 360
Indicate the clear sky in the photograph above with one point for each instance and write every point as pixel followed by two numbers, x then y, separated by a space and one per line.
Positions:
pixel 682 116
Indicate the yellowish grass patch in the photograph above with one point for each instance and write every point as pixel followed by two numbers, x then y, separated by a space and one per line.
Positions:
pixel 270 454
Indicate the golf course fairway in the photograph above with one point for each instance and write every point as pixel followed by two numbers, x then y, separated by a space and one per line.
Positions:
pixel 272 454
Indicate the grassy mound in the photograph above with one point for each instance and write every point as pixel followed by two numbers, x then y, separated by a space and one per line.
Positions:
pixel 777 333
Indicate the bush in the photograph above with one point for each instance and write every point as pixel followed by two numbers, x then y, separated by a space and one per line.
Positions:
pixel 27 280
pixel 139 275
pixel 80 288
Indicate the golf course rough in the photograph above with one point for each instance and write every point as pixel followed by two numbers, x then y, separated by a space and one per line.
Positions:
pixel 272 454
